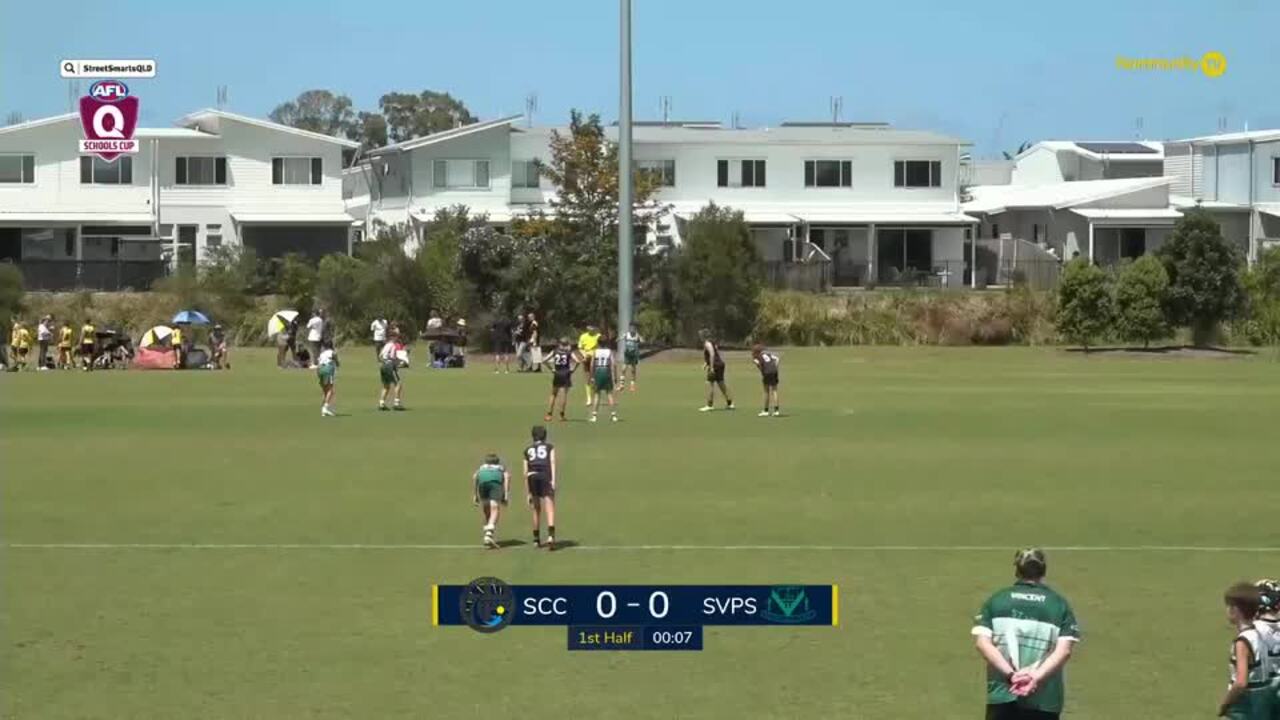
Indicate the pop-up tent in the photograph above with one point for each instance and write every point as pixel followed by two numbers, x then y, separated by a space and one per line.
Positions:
pixel 160 336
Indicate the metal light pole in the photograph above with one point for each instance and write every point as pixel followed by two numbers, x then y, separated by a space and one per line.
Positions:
pixel 626 189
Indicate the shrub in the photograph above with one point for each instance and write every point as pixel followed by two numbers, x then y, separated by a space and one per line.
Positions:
pixel 297 282
pixel 1262 285
pixel 11 293
pixel 655 326
pixel 1141 290
pixel 1204 276
pixel 1084 303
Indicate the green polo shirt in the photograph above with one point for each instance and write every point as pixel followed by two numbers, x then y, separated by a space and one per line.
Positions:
pixel 1025 621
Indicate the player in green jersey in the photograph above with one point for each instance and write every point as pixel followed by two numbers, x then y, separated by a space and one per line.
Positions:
pixel 491 485
pixel 1268 625
pixel 1026 633
pixel 1250 694
pixel 631 355
pixel 604 369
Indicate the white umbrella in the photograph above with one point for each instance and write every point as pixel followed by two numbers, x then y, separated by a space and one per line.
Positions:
pixel 158 336
pixel 280 322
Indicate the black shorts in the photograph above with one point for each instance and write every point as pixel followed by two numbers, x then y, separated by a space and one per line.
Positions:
pixel 86 349
pixel 22 352
pixel 501 345
pixel 716 374
pixel 561 380
pixel 539 485
pixel 770 380
pixel 1012 711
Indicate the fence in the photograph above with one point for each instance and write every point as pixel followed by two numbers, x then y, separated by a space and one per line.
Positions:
pixel 106 275
pixel 807 277
pixel 1014 262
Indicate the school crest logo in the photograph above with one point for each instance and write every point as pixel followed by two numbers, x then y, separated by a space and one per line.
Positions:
pixel 788 604
pixel 109 117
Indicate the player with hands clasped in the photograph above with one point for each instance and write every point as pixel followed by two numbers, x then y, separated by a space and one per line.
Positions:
pixel 1026 633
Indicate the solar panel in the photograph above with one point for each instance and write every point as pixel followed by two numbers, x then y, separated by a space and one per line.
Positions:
pixel 1117 148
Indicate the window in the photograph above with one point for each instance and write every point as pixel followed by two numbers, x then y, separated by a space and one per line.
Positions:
pixel 96 171
pixel 663 171
pixel 296 171
pixel 740 173
pixel 1275 171
pixel 524 174
pixel 201 171
pixel 917 173
pixel 828 173
pixel 455 174
pixel 17 169
pixel 1035 232
pixel 995 230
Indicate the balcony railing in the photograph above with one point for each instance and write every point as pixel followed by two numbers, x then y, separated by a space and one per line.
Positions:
pixel 105 275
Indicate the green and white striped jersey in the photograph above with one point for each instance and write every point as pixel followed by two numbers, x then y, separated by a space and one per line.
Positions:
pixel 1257 702
pixel 1025 621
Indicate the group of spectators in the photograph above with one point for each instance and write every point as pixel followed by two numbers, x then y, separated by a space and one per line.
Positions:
pixel 519 337
pixel 298 345
pixel 58 337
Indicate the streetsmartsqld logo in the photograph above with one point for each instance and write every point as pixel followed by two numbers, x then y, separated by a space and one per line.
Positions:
pixel 1213 64
pixel 109 116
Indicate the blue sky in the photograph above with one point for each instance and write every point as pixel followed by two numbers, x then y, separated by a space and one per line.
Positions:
pixel 993 72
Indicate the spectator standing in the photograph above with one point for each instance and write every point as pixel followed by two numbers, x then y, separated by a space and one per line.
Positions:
pixel 178 340
pixel 65 335
pixel 44 335
pixel 500 340
pixel 379 330
pixel 434 321
pixel 315 333
pixel 535 349
pixel 521 336
pixel 1026 633
pixel 88 344
pixel 220 358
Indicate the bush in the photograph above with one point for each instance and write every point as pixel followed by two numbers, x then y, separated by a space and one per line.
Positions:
pixel 655 326
pixel 11 293
pixel 297 283
pixel 1262 285
pixel 338 288
pixel 1084 303
pixel 1141 293
pixel 1204 276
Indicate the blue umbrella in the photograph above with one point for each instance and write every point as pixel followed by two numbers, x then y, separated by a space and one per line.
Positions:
pixel 190 317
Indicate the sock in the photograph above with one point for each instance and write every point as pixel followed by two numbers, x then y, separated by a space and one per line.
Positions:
pixel 551 532
pixel 536 540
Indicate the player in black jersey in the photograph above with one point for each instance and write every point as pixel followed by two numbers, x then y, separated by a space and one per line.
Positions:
pixel 713 364
pixel 768 364
pixel 563 361
pixel 540 484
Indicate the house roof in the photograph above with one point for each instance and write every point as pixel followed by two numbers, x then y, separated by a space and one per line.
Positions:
pixel 1234 137
pixel 112 218
pixel 175 132
pixel 790 135
pixel 210 114
pixel 443 136
pixel 32 124
pixel 1109 150
pixel 838 213
pixel 1186 202
pixel 999 198
pixel 277 218
pixel 1129 216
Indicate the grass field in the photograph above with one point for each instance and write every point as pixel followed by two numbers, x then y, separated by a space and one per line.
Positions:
pixel 907 476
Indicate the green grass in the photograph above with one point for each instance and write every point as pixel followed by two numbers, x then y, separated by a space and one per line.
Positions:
pixel 955 450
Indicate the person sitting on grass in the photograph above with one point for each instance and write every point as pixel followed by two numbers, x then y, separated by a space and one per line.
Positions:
pixel 327 373
pixel 491 485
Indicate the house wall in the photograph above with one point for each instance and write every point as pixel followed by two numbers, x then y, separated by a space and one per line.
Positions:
pixel 1233 173
pixel 492 145
pixel 1178 165
pixel 872 179
pixel 1133 169
pixel 1265 188
pixel 57 186
pixel 1038 167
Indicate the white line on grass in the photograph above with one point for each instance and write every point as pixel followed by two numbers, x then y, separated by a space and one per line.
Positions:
pixel 637 548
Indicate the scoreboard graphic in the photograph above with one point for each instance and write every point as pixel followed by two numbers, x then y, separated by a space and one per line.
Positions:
pixel 632 617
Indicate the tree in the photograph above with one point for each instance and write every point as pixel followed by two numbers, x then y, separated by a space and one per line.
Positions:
pixel 409 116
pixel 319 111
pixel 441 257
pixel 1141 288
pixel 718 275
pixel 584 169
pixel 338 287
pixel 1084 303
pixel 370 130
pixel 1204 276
pixel 1262 283
pixel 298 282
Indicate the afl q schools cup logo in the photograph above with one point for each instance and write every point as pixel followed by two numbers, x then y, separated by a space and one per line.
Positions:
pixel 109 117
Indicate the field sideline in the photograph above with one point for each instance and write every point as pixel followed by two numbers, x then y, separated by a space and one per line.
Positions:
pixel 204 545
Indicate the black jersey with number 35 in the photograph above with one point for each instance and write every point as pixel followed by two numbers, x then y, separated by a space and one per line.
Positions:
pixel 538 456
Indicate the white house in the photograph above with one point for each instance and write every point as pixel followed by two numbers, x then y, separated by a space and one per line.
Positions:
pixel 1052 161
pixel 215 178
pixel 875 204
pixel 1236 178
